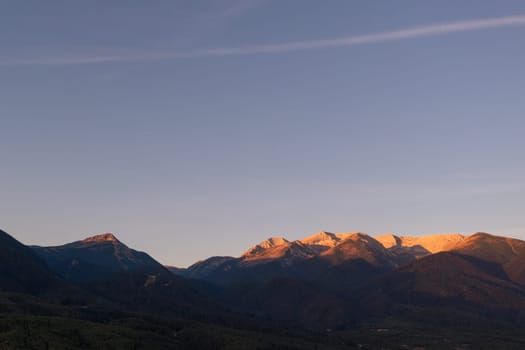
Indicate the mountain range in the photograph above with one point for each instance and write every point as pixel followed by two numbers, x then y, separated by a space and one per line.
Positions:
pixel 347 284
pixel 478 275
pixel 332 249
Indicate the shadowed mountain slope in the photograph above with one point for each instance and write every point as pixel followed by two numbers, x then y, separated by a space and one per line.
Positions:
pixel 481 276
pixel 509 253
pixel 106 267
pixel 201 269
pixel 95 258
pixel 21 270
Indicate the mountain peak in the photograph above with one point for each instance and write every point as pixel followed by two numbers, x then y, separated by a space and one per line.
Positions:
pixel 320 236
pixel 321 241
pixel 94 258
pixel 104 237
pixel 267 244
pixel 389 240
pixel 274 241
pixel 422 244
pixel 342 236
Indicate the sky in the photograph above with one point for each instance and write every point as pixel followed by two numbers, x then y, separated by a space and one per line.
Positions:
pixel 199 128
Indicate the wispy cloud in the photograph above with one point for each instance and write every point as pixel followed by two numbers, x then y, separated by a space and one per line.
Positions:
pixel 348 41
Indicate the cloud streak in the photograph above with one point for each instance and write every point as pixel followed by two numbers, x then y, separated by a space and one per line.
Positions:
pixel 291 46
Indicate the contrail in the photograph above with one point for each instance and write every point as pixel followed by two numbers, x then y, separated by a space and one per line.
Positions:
pixel 402 34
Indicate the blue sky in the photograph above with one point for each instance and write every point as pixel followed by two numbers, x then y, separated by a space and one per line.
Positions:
pixel 170 124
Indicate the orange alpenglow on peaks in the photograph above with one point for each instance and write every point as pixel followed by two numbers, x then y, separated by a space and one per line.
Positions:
pixel 428 244
pixel 101 238
pixel 267 244
pixel 345 245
